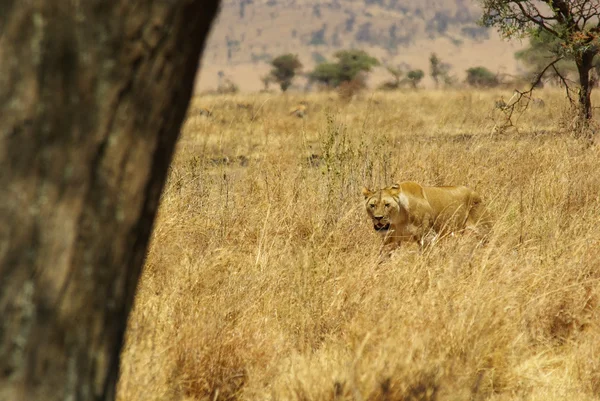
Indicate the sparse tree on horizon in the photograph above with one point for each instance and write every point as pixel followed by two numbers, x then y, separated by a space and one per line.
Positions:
pixel 350 65
pixel 414 77
pixel 285 68
pixel 266 81
pixel 397 74
pixel 481 77
pixel 395 83
pixel 438 70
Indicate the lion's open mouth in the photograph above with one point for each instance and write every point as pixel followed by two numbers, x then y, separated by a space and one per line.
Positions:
pixel 381 227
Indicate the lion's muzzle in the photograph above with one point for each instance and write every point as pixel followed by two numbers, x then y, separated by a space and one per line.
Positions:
pixel 381 226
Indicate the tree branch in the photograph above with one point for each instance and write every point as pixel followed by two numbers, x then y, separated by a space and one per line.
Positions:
pixel 564 12
pixel 510 108
pixel 539 23
pixel 565 82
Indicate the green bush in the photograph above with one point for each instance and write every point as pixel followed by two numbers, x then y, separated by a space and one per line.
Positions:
pixel 284 69
pixel 349 64
pixel 415 77
pixel 482 77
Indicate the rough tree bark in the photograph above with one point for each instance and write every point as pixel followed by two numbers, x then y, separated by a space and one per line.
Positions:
pixel 92 96
pixel 584 67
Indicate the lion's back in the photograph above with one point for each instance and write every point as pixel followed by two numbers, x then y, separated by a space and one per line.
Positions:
pixel 451 204
pixel 442 196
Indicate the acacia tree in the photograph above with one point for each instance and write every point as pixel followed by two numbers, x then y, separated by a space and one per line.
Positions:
pixel 394 84
pixel 481 77
pixel 438 69
pixel 350 65
pixel 574 23
pixel 92 96
pixel 284 70
pixel 415 77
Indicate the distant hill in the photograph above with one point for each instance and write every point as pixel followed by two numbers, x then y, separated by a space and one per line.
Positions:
pixel 249 33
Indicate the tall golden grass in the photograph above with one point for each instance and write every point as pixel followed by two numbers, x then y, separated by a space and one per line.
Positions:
pixel 263 279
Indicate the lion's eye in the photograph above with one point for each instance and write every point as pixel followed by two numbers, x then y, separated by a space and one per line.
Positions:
pixel 372 205
pixel 387 205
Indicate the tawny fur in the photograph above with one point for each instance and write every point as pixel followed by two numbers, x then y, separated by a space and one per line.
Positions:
pixel 411 212
pixel 299 110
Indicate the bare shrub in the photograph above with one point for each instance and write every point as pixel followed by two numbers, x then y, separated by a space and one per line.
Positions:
pixel 347 90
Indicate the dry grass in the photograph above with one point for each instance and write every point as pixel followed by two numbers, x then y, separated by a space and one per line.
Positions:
pixel 262 280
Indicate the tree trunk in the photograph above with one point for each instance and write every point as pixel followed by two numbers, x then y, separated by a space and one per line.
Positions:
pixel 92 96
pixel 584 67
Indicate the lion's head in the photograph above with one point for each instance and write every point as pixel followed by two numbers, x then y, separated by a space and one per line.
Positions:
pixel 383 206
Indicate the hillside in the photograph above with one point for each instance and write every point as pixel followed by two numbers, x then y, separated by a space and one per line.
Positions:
pixel 249 33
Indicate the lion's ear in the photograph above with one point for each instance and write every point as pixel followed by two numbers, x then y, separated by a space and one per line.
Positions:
pixel 395 189
pixel 366 192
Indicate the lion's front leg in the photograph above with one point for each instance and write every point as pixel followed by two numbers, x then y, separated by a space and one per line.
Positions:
pixel 427 234
pixel 428 239
pixel 389 246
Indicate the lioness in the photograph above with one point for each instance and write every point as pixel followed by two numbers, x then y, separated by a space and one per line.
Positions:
pixel 411 212
pixel 300 110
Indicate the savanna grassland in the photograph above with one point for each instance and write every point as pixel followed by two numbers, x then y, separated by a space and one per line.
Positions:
pixel 263 279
